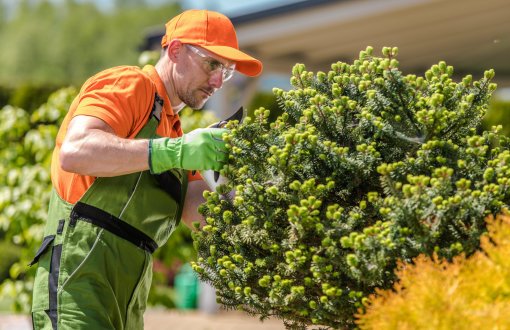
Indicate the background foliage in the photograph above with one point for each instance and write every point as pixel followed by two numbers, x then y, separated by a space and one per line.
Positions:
pixel 469 293
pixel 62 44
pixel 26 142
pixel 498 114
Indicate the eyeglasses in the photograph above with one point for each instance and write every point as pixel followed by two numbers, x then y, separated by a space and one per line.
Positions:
pixel 211 65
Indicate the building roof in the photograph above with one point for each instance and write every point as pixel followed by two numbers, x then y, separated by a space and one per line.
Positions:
pixel 471 35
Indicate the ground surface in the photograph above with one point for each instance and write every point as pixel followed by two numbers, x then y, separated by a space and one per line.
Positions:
pixel 174 320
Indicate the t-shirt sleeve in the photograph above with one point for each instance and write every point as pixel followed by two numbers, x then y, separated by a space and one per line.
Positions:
pixel 120 97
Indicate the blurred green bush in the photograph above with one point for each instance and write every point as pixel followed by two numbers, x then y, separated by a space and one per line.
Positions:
pixel 65 42
pixel 10 254
pixel 265 100
pixel 29 97
pixel 498 114
pixel 5 94
pixel 26 142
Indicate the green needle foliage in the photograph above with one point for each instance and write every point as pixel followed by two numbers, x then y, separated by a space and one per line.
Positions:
pixel 365 167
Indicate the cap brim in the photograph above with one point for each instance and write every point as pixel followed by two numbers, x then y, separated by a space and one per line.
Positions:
pixel 244 63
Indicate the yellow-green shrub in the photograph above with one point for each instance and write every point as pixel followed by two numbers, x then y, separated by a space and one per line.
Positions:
pixel 469 293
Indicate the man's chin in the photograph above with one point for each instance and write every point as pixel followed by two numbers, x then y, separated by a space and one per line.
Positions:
pixel 197 99
pixel 199 105
pixel 196 104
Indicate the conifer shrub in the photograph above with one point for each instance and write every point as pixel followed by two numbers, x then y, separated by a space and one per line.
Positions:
pixel 366 166
pixel 469 293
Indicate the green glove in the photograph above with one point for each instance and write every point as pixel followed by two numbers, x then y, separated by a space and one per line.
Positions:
pixel 201 149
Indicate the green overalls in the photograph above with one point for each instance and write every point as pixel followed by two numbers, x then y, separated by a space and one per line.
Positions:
pixel 95 262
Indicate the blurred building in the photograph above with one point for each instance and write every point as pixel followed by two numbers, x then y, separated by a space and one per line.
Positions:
pixel 470 35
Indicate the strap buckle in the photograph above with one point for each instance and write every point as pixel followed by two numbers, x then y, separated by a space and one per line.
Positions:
pixel 157 107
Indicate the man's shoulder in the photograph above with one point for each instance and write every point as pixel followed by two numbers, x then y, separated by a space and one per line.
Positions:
pixel 125 76
pixel 121 71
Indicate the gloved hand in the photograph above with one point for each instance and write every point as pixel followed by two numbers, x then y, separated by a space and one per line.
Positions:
pixel 201 149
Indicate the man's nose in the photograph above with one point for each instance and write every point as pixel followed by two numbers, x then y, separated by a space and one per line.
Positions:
pixel 216 79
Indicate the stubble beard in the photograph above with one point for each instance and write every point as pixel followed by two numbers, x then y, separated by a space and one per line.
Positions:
pixel 191 100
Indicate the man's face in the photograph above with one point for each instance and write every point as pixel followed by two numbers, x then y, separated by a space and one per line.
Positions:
pixel 203 73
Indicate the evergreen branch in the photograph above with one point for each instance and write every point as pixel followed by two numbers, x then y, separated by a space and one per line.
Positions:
pixel 405 105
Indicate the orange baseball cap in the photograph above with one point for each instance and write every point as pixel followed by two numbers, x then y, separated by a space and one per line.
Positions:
pixel 212 31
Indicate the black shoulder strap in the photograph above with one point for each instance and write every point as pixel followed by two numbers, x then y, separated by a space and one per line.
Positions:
pixel 157 107
pixel 166 180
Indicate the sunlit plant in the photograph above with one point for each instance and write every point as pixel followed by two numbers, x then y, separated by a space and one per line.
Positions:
pixel 366 166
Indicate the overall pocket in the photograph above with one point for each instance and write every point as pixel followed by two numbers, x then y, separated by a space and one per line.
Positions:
pixel 44 303
pixel 138 301
pixel 40 301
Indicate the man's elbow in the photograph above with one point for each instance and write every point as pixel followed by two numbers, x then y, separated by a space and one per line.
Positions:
pixel 68 158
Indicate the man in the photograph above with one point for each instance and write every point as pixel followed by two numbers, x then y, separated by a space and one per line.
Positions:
pixel 120 173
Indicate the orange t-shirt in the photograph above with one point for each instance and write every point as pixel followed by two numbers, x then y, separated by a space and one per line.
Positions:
pixel 122 97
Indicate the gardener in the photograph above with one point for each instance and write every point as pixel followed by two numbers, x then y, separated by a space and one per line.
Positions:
pixel 120 175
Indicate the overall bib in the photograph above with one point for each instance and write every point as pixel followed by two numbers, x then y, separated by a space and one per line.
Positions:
pixel 95 262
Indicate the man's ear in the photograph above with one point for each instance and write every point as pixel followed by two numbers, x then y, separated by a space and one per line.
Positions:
pixel 174 49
